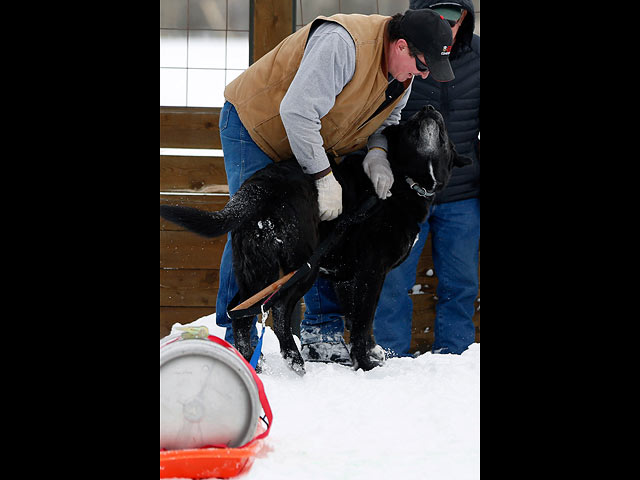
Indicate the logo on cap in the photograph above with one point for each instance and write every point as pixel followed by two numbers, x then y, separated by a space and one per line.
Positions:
pixel 446 50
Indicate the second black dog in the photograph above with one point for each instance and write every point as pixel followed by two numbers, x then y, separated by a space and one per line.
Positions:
pixel 275 229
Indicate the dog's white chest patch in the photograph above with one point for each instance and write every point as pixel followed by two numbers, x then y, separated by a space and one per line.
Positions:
pixel 431 172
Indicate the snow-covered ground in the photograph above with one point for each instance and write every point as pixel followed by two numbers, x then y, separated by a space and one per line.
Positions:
pixel 409 419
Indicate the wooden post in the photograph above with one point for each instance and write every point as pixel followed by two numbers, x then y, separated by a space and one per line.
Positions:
pixel 273 20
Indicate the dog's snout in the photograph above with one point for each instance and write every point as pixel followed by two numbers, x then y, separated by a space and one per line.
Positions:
pixel 430 108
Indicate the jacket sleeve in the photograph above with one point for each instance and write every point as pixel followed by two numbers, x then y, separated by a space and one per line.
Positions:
pixel 328 64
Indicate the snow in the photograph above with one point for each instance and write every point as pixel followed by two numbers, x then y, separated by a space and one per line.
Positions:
pixel 412 418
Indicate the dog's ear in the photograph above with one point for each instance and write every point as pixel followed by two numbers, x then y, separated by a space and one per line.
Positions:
pixel 459 160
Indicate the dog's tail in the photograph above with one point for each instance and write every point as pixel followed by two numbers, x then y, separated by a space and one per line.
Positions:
pixel 239 209
pixel 207 224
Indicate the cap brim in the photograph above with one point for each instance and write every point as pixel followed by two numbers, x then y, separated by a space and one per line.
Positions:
pixel 441 70
pixel 449 13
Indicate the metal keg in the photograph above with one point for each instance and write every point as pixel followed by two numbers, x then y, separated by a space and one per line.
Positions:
pixel 207 395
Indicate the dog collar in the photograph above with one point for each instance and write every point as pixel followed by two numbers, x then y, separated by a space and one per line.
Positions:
pixel 419 189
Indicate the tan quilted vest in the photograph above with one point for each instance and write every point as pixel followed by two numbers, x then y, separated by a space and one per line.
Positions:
pixel 257 93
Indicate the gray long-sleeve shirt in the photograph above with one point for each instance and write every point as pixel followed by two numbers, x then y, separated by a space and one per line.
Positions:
pixel 328 64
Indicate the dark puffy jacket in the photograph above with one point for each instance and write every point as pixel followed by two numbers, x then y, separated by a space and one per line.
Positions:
pixel 459 103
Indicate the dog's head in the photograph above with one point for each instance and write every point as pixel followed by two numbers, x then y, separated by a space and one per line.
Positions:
pixel 420 148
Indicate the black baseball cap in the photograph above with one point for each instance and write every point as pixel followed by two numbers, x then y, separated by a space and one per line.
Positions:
pixel 430 33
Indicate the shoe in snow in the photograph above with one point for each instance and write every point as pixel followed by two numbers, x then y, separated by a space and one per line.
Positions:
pixel 327 352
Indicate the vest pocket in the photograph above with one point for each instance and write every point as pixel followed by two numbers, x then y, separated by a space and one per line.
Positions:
pixel 273 134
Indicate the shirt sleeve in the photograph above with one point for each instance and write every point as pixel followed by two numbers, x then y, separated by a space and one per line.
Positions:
pixel 328 64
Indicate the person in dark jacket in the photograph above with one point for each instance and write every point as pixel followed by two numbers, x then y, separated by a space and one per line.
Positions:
pixel 454 219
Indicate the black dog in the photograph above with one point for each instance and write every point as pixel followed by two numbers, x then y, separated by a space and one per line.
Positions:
pixel 275 229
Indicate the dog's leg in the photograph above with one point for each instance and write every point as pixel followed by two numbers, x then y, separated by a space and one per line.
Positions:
pixel 359 299
pixel 282 312
pixel 252 275
pixel 242 336
pixel 242 330
pixel 282 320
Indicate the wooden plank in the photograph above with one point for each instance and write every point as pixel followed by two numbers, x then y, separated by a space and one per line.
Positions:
pixel 272 22
pixel 210 203
pixel 188 287
pixel 182 249
pixel 191 173
pixel 424 315
pixel 182 315
pixel 189 127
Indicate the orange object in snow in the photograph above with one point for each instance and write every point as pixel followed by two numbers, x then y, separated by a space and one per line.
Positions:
pixel 208 462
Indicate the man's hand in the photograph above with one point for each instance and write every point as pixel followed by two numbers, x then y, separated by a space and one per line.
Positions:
pixel 329 197
pixel 378 169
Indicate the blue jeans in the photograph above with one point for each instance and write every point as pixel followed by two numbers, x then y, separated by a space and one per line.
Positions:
pixel 455 238
pixel 455 230
pixel 242 158
pixel 323 320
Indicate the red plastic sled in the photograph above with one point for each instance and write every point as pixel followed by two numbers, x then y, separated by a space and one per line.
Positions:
pixel 208 462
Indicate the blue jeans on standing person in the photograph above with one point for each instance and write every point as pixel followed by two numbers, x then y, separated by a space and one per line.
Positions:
pixel 242 158
pixel 455 238
pixel 455 230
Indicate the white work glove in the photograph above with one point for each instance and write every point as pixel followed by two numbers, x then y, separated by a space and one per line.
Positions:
pixel 378 169
pixel 329 197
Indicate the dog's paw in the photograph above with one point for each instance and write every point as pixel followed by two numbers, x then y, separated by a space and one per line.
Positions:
pixel 299 369
pixel 364 363
pixel 377 355
pixel 373 358
pixel 295 362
